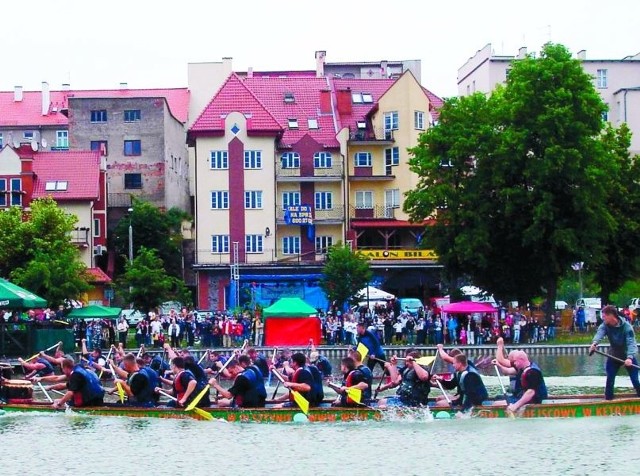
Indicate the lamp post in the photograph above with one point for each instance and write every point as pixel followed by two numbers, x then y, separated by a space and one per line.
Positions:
pixel 130 237
pixel 578 267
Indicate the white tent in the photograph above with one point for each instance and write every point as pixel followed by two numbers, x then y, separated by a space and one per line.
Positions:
pixel 373 294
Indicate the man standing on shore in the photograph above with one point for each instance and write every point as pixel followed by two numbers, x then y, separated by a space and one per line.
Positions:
pixel 623 349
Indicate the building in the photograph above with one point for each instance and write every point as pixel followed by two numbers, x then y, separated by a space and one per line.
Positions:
pixel 287 164
pixel 617 81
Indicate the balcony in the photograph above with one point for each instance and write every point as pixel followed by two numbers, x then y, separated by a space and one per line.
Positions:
pixel 377 136
pixel 372 212
pixel 80 237
pixel 320 174
pixel 334 215
pixel 268 257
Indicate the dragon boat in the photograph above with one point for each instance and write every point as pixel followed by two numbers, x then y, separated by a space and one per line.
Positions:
pixel 558 407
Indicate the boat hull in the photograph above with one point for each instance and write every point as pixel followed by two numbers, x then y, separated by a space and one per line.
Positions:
pixel 557 408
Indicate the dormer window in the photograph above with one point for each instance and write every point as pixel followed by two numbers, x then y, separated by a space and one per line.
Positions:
pixel 313 123
pixel 362 125
pixel 56 186
pixel 356 98
pixel 293 123
pixel 289 98
pixel 367 98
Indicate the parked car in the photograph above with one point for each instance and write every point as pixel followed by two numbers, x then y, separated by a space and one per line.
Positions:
pixel 410 304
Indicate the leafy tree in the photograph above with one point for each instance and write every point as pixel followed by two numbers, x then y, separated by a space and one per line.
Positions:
pixel 344 274
pixel 522 179
pixel 146 284
pixel 152 229
pixel 37 254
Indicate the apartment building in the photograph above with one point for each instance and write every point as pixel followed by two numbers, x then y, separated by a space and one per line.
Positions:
pixel 616 80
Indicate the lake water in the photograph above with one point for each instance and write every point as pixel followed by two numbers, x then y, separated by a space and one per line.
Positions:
pixel 80 445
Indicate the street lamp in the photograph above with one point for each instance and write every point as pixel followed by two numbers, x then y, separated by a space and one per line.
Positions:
pixel 578 267
pixel 130 237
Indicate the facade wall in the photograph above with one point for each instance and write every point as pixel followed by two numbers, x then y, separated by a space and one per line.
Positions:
pixel 84 211
pixel 176 158
pixel 46 137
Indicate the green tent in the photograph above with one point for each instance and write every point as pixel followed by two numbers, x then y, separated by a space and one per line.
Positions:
pixel 15 297
pixel 289 307
pixel 95 311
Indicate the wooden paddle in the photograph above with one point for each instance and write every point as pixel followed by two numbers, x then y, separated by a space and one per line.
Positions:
pixel 504 391
pixel 46 350
pixel 199 397
pixel 302 402
pixel 118 385
pixel 107 359
pixel 204 414
pixel 446 396
pixel 354 394
pixel 46 394
pixel 612 357
pixel 426 360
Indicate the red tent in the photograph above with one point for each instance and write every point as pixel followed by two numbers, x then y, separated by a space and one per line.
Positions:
pixel 290 321
pixel 468 307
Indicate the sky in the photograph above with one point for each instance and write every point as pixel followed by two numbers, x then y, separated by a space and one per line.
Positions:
pixel 94 45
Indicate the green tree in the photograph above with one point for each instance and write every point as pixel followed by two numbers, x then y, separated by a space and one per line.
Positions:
pixel 522 182
pixel 146 284
pixel 344 274
pixel 152 229
pixel 39 255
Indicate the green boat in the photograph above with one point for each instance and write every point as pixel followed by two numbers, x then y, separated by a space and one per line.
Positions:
pixel 558 407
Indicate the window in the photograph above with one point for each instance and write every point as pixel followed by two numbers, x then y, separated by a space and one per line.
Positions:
pixel 289 98
pixel 367 98
pixel 16 192
pixel 253 199
pixel 356 98
pixel 62 139
pixel 219 243
pixel 364 199
pixel 291 245
pixel 323 243
pixel 392 156
pixel 322 160
pixel 313 123
pixel 56 186
pixel 252 159
pixel 132 147
pixel 219 159
pixel 3 192
pixel 392 198
pixel 363 159
pixel 290 160
pixel 468 90
pixel 133 181
pixel 132 115
pixel 446 163
pixel 253 243
pixel 324 200
pixel 362 125
pixel 605 116
pixel 1 141
pixel 100 145
pixel 96 227
pixel 390 121
pixel 601 78
pixel 293 123
pixel 98 116
pixel 290 199
pixel 27 135
pixel 219 200
pixel 418 120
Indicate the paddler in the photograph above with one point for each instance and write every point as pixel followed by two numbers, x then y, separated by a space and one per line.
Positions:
pixel 140 384
pixel 185 386
pixel 83 386
pixel 530 387
pixel 302 381
pixel 471 389
pixel 413 382
pixel 352 378
pixel 40 367
pixel 247 390
pixel 371 342
pixel 623 349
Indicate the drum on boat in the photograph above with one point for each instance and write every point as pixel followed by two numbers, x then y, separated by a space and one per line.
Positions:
pixel 16 391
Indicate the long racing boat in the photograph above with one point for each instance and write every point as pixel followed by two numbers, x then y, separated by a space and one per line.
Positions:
pixel 558 407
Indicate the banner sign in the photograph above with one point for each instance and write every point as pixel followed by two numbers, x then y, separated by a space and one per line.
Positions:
pixel 429 255
pixel 298 215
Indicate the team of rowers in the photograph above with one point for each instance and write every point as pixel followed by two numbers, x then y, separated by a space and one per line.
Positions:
pixel 143 378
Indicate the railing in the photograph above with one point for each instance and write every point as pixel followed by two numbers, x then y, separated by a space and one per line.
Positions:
pixel 378 134
pixel 268 256
pixel 319 215
pixel 335 170
pixel 79 236
pixel 375 211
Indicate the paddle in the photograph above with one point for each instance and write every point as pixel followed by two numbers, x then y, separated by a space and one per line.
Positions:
pixel 46 394
pixel 504 391
pixel 196 400
pixel 118 385
pixel 363 350
pixel 273 363
pixel 302 402
pixel 354 394
pixel 426 360
pixel 446 396
pixel 613 358
pixel 203 356
pixel 140 350
pixel 107 359
pixel 46 350
pixel 204 414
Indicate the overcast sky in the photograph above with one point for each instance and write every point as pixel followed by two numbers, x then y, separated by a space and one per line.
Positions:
pixel 96 44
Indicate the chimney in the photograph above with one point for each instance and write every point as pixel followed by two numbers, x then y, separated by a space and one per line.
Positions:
pixel 17 94
pixel 250 72
pixel 325 101
pixel 320 59
pixel 344 101
pixel 383 68
pixel 522 52
pixel 582 55
pixel 124 86
pixel 66 86
pixel 46 98
pixel 227 65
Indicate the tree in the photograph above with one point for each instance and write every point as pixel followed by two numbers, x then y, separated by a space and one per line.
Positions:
pixel 521 176
pixel 146 284
pixel 152 229
pixel 36 252
pixel 344 274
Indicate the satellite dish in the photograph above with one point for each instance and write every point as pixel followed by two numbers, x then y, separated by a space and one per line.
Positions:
pixel 44 143
pixel 34 146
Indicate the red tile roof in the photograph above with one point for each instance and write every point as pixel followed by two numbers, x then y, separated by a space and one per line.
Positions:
pixel 234 96
pixel 96 275
pixel 435 102
pixel 28 112
pixel 80 169
pixel 375 87
pixel 305 105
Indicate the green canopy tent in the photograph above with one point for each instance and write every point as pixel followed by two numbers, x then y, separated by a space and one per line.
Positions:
pixel 13 296
pixel 290 321
pixel 95 311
